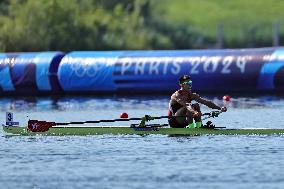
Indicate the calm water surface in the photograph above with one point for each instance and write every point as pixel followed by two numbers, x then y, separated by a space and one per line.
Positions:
pixel 142 162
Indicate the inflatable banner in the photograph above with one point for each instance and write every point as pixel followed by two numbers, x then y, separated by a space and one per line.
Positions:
pixel 240 70
pixel 29 73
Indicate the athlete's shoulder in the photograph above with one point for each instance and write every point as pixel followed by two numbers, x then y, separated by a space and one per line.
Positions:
pixel 176 94
pixel 195 95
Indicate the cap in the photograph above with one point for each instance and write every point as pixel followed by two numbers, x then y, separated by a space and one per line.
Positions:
pixel 184 78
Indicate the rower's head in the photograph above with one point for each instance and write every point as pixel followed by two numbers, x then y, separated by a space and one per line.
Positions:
pixel 185 82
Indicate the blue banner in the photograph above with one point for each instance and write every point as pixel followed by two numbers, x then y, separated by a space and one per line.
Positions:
pixel 267 79
pixel 28 73
pixel 233 70
pixel 6 83
pixel 237 70
pixel 88 71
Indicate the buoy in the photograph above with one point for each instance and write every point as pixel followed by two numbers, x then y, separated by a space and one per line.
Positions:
pixel 123 115
pixel 226 98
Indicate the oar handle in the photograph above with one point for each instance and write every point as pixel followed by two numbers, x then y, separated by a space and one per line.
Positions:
pixel 212 114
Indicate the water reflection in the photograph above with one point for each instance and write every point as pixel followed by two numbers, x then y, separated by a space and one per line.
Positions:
pixel 124 102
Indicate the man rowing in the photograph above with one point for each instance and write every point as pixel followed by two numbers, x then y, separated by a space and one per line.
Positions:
pixel 181 105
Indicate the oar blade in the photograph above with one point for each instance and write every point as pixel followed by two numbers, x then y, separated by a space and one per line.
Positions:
pixel 39 126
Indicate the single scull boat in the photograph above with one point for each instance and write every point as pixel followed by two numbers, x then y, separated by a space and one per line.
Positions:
pixel 36 127
pixel 61 131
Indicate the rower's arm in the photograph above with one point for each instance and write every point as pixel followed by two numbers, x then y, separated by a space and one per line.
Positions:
pixel 206 102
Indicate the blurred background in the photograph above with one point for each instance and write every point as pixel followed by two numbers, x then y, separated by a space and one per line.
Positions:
pixel 71 25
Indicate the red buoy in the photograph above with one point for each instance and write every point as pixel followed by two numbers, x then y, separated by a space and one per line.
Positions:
pixel 123 115
pixel 226 98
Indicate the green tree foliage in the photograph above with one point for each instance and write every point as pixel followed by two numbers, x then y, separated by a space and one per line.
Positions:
pixel 67 25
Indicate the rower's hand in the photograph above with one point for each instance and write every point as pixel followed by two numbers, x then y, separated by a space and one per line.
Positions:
pixel 196 114
pixel 223 109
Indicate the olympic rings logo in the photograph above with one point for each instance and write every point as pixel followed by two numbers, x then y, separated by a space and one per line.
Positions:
pixel 87 68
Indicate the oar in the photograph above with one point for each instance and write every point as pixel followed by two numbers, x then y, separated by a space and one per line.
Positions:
pixel 146 118
pixel 41 126
pixel 36 125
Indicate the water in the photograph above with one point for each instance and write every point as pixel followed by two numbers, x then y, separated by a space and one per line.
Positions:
pixel 153 161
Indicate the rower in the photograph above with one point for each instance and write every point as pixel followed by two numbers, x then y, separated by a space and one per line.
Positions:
pixel 181 105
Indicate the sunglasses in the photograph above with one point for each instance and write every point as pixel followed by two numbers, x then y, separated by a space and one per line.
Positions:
pixel 187 83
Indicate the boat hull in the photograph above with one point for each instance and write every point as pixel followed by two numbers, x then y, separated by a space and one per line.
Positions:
pixel 81 131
